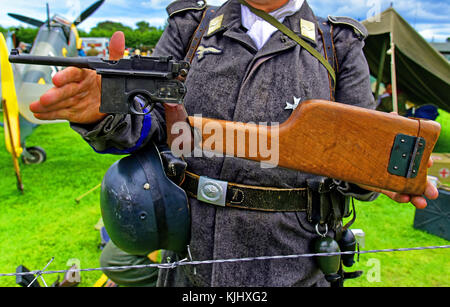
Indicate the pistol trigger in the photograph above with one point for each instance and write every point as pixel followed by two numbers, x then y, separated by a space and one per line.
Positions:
pixel 152 106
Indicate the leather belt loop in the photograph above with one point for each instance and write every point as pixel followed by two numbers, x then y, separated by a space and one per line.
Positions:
pixel 323 201
pixel 309 209
pixel 324 205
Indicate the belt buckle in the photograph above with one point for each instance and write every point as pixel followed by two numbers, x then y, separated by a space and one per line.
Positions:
pixel 212 191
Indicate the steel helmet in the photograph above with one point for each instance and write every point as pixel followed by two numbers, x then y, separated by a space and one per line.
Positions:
pixel 142 209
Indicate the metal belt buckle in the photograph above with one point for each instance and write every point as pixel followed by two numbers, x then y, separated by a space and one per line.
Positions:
pixel 212 191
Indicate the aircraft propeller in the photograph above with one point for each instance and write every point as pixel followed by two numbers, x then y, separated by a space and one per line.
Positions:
pixel 38 23
pixel 28 20
pixel 88 12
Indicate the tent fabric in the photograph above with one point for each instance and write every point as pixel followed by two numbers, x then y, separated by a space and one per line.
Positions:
pixel 423 74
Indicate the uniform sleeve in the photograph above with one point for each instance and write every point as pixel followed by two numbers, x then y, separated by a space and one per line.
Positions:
pixel 353 76
pixel 125 134
pixel 353 87
pixel 177 36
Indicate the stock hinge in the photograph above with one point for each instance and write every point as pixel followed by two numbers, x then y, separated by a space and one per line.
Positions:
pixel 406 155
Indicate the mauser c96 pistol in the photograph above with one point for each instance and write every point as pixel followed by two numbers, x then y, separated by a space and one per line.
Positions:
pixel 155 79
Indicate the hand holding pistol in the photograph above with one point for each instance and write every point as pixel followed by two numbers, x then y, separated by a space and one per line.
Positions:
pixel 151 79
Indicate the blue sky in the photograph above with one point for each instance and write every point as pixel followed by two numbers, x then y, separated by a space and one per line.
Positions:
pixel 430 18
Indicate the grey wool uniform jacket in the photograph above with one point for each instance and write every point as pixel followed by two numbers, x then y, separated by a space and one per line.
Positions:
pixel 239 83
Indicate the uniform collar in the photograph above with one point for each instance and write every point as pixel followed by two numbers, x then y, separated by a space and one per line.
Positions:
pixel 290 8
pixel 305 13
pixel 232 23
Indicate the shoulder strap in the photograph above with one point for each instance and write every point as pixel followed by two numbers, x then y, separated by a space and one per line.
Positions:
pixel 199 32
pixel 328 46
pixel 359 29
pixel 274 22
pixel 186 5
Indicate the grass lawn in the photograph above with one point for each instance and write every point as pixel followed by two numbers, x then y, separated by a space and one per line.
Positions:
pixel 390 225
pixel 443 144
pixel 46 221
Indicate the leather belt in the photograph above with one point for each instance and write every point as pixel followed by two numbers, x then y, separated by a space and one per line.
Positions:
pixel 227 194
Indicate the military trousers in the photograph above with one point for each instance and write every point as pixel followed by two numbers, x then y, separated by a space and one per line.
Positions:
pixel 112 256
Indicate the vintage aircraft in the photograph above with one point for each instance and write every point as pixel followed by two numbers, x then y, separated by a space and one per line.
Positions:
pixel 57 36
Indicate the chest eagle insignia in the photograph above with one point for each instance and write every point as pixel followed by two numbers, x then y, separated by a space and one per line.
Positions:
pixel 202 51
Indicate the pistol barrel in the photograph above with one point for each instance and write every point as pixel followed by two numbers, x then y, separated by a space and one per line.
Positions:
pixel 80 62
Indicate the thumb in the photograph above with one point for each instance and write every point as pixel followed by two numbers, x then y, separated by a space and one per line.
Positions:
pixel 117 46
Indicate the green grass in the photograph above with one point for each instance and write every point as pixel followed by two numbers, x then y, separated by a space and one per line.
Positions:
pixel 390 225
pixel 46 221
pixel 443 144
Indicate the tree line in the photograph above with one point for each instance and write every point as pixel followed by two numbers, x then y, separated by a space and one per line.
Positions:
pixel 144 36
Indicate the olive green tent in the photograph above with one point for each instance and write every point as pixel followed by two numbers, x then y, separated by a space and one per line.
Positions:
pixel 398 55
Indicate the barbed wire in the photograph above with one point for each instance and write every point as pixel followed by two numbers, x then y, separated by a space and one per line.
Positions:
pixel 186 261
pixel 39 274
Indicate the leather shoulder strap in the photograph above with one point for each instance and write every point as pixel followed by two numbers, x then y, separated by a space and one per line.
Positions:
pixel 327 34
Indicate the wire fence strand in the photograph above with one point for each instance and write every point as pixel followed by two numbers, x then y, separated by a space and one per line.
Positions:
pixel 184 262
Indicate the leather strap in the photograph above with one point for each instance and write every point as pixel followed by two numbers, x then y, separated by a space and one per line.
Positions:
pixel 255 198
pixel 274 22
pixel 328 47
pixel 199 32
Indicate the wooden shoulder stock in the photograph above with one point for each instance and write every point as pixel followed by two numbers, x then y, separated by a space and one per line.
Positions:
pixel 335 140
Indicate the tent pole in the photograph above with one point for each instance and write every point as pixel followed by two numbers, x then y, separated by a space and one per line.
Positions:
pixel 381 69
pixel 393 78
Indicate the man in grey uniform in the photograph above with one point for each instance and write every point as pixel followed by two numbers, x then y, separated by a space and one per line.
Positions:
pixel 243 71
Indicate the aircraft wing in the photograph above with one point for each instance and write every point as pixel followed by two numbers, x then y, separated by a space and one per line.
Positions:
pixel 28 93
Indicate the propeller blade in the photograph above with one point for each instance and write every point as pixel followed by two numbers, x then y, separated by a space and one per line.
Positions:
pixel 28 20
pixel 48 16
pixel 88 12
